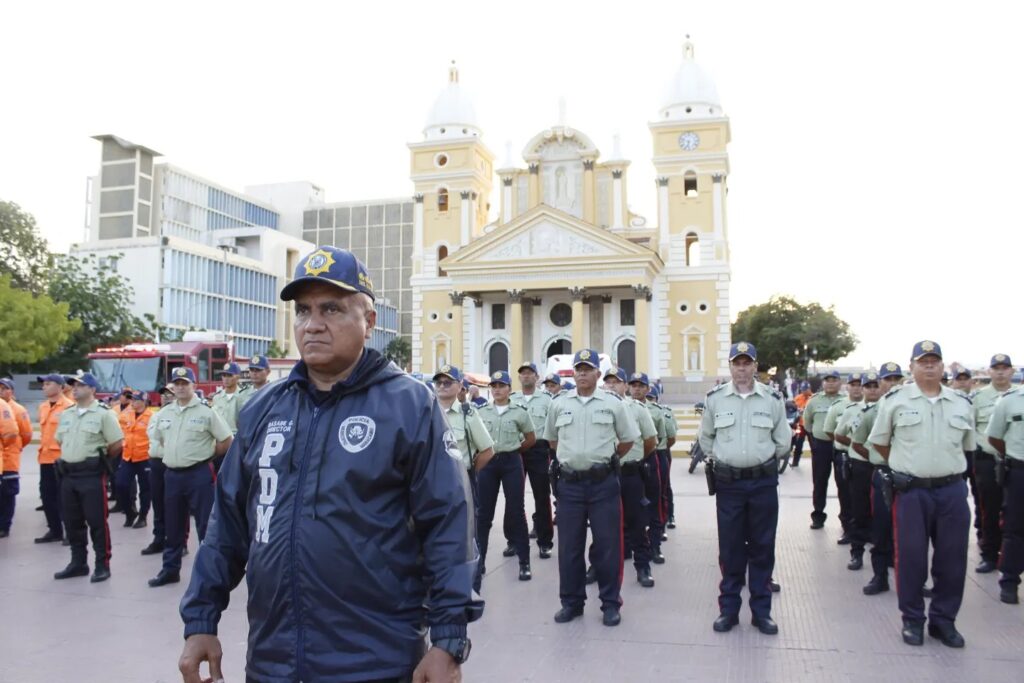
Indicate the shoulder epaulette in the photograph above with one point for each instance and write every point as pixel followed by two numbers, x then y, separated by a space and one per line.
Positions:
pixel 893 390
pixel 103 405
pixel 851 405
pixel 869 407
pixel 964 397
pixel 776 394
pixel 973 394
pixel 718 388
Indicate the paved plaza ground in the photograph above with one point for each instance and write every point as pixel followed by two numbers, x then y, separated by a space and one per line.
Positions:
pixel 124 631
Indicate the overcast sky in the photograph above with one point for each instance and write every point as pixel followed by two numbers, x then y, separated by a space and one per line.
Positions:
pixel 876 154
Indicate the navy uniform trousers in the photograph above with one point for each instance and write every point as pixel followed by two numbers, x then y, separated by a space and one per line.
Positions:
pixel 1012 561
pixel 156 489
pixel 49 494
pixel 748 513
pixel 599 502
pixel 125 488
pixel 939 516
pixel 653 489
pixel 84 501
pixel 187 491
pixel 990 505
pixel 969 475
pixel 665 470
pixel 10 487
pixel 505 470
pixel 881 526
pixel 824 462
pixel 537 461
pixel 860 503
pixel 634 521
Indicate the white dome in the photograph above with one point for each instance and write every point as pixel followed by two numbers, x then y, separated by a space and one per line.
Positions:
pixel 453 114
pixel 691 94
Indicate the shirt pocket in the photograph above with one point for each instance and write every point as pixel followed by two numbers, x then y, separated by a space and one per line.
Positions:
pixel 762 425
pixel 196 427
pixel 91 426
pixel 959 426
pixel 907 425
pixel 602 417
pixel 724 423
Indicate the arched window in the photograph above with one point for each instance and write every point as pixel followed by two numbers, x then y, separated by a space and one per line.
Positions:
pixel 442 254
pixel 692 249
pixel 442 200
pixel 690 184
pixel 497 357
pixel 625 356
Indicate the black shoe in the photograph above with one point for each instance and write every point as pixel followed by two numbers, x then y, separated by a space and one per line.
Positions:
pixel 4 534
pixel 774 586
pixel 140 523
pixel 928 593
pixel 725 622
pixel 39 508
pixel 591 576
pixel 164 578
pixel 947 635
pixel 628 555
pixel 795 463
pixel 765 625
pixel 913 633
pixel 65 541
pixel 664 537
pixel 644 578
pixel 567 614
pixel 509 551
pixel 844 539
pixel 102 573
pixel 524 572
pixel 877 584
pixel 986 567
pixel 72 570
pixel 49 537
pixel 153 548
pixel 657 557
pixel 129 519
pixel 545 553
pixel 856 563
pixel 817 524
pixel 671 523
pixel 611 616
pixel 1008 594
pixel 533 533
pixel 115 508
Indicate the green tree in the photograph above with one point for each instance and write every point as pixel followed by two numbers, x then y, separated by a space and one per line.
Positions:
pixel 400 351
pixel 31 327
pixel 789 334
pixel 23 252
pixel 274 351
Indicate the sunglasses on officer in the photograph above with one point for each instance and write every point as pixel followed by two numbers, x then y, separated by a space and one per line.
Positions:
pixel 444 383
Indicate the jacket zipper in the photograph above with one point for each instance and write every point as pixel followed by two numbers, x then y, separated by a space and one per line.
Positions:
pixel 296 513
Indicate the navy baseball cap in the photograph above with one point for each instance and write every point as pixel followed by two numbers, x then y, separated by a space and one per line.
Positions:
pixel 890 369
pixel 586 357
pixel 527 366
pixel 334 266
pixel 926 348
pixel 1000 359
pixel 259 363
pixel 653 393
pixel 181 372
pixel 85 378
pixel 52 377
pixel 500 377
pixel 568 385
pixel 140 396
pixel 832 374
pixel 230 369
pixel 9 383
pixel 640 377
pixel 963 372
pixel 552 378
pixel 742 349
pixel 616 372
pixel 855 377
pixel 451 372
pixel 869 377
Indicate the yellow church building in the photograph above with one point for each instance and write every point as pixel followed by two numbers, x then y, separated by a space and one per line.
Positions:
pixel 566 265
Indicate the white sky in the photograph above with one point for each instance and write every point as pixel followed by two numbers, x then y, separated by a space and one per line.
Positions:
pixel 876 154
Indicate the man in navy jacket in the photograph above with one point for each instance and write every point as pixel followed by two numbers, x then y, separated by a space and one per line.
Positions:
pixel 344 503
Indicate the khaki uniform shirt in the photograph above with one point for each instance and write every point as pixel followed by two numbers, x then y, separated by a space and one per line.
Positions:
pixel 845 425
pixel 82 436
pixel 155 451
pixel 642 416
pixel 229 406
pixel 983 403
pixel 816 412
pixel 587 431
pixel 860 429
pixel 470 423
pixel 188 435
pixel 537 405
pixel 744 431
pixel 658 418
pixel 926 439
pixel 671 428
pixel 1007 423
pixel 509 429
pixel 832 417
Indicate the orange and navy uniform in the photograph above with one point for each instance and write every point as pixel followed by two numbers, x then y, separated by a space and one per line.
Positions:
pixel 49 418
pixel 10 438
pixel 136 440
pixel 24 422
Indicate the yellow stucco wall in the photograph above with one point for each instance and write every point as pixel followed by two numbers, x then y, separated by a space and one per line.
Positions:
pixel 693 294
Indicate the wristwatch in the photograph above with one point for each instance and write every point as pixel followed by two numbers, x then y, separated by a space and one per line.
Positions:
pixel 458 648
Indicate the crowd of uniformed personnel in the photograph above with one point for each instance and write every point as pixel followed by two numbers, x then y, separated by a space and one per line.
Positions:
pixel 163 458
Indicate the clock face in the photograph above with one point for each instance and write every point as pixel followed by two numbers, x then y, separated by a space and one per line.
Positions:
pixel 689 141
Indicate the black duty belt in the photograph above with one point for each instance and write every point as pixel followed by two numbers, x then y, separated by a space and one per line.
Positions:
pixel 726 473
pixel 595 473
pixel 930 482
pixel 204 463
pixel 884 468
pixel 983 456
pixel 87 467
pixel 631 468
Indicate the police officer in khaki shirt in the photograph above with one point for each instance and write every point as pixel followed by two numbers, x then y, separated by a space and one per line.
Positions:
pixel 190 435
pixel 985 459
pixel 639 386
pixel 1006 434
pixel 858 468
pixel 589 430
pixel 922 430
pixel 841 456
pixel 510 426
pixel 227 401
pixel 88 434
pixel 744 432
pixel 537 459
pixel 823 456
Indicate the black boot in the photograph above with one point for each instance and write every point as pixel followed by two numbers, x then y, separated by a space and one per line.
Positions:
pixel 877 584
pixel 591 575
pixel 856 563
pixel 644 578
pixel 72 570
pixel 102 573
pixel 140 523
pixel 153 548
pixel 524 571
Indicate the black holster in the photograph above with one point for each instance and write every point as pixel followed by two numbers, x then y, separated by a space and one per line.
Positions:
pixel 1002 470
pixel 888 492
pixel 554 474
pixel 709 474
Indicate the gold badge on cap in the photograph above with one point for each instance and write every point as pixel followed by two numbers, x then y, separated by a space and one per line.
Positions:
pixel 319 262
pixel 584 354
pixel 891 367
pixel 255 360
pixel 743 347
pixel 1000 357
pixel 872 376
pixel 927 346
pixel 446 368
pixel 365 281
pixel 180 372
pixel 496 375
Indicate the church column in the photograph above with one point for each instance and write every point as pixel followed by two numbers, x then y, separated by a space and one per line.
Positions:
pixel 455 355
pixel 534 185
pixel 465 208
pixel 717 206
pixel 617 204
pixel 588 190
pixel 417 234
pixel 476 355
pixel 536 350
pixel 663 219
pixel 643 326
pixel 579 340
pixel 516 328
pixel 506 199
pixel 609 325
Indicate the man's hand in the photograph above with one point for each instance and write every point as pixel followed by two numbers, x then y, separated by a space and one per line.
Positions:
pixel 199 648
pixel 437 666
